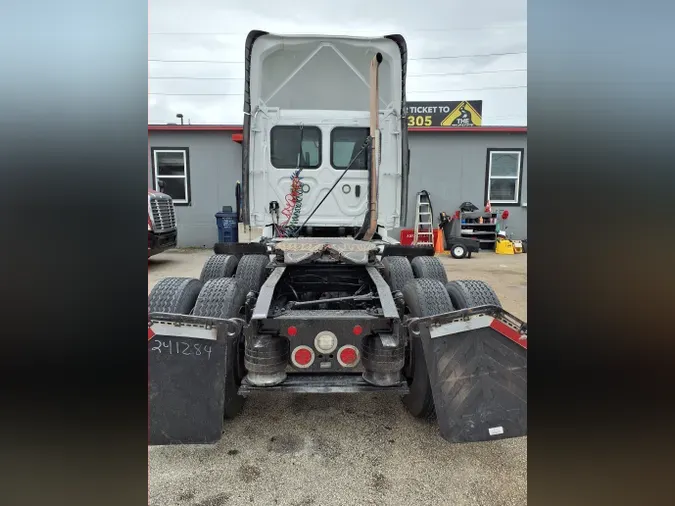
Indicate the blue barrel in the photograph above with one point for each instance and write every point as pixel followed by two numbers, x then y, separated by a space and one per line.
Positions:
pixel 228 229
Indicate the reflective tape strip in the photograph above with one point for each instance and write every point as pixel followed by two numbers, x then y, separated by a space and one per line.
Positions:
pixel 473 323
pixel 479 322
pixel 151 334
pixel 166 329
pixel 509 332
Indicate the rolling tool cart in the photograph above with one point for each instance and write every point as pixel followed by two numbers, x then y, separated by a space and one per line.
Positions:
pixel 458 246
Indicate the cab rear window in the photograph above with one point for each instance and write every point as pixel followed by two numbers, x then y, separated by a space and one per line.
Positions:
pixel 345 144
pixel 295 146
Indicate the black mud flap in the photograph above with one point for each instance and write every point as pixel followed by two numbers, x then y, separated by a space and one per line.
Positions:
pixel 186 383
pixel 477 364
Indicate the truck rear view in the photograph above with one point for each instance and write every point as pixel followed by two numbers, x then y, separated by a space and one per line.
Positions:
pixel 326 302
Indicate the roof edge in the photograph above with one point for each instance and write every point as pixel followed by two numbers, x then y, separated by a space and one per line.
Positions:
pixel 239 129
pixel 195 128
pixel 504 129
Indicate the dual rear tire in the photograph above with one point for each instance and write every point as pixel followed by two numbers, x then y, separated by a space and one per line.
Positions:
pixel 220 293
pixel 428 297
pixel 250 271
pixel 423 282
pixel 398 271
pixel 427 292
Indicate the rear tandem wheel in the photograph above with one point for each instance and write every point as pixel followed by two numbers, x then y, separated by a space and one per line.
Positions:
pixel 251 272
pixel 224 298
pixel 429 268
pixel 397 272
pixel 219 266
pixel 174 295
pixel 471 293
pixel 423 297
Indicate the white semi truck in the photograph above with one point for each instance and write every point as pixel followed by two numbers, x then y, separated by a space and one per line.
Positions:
pixel 326 301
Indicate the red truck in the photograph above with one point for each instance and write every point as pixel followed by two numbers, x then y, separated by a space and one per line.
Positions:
pixel 162 231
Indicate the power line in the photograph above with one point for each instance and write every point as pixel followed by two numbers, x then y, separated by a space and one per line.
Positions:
pixel 468 73
pixel 395 30
pixel 410 91
pixel 159 60
pixel 466 56
pixel 472 89
pixel 197 94
pixel 197 78
pixel 209 78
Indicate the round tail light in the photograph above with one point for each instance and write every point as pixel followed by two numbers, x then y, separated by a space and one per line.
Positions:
pixel 302 357
pixel 348 356
pixel 325 342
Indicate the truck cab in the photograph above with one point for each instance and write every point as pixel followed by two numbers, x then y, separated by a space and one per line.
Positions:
pixel 162 231
pixel 309 113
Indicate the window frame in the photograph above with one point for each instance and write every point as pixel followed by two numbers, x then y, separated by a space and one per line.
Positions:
pixel 186 154
pixel 518 178
pixel 348 128
pixel 305 127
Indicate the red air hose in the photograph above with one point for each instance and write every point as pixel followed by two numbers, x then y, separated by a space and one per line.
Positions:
pixel 291 203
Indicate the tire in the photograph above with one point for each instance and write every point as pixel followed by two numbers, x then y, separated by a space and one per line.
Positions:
pixel 219 266
pixel 251 272
pixel 423 297
pixel 458 251
pixel 224 298
pixel 397 272
pixel 471 293
pixel 174 295
pixel 220 298
pixel 429 268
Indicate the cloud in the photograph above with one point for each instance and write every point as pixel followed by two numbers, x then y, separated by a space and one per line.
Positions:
pixel 433 28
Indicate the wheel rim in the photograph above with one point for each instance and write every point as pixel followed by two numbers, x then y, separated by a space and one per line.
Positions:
pixel 459 251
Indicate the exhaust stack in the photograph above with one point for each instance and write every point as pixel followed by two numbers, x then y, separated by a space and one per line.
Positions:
pixel 375 145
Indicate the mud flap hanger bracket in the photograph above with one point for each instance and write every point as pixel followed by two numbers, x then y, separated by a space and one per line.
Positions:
pixel 473 318
pixel 193 326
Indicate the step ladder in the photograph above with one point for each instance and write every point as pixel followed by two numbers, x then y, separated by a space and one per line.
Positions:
pixel 424 226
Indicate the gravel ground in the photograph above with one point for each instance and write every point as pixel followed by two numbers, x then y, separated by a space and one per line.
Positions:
pixel 302 450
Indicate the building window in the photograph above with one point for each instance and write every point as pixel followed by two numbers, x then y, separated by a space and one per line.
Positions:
pixel 296 146
pixel 504 175
pixel 171 172
pixel 345 143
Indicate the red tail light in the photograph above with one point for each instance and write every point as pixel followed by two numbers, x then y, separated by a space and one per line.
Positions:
pixel 348 356
pixel 357 330
pixel 302 357
pixel 292 331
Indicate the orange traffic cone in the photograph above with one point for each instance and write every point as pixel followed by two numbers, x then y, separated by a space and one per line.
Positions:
pixel 439 249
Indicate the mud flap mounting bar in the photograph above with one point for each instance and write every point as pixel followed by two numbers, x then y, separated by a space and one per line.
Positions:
pixel 473 318
pixel 477 364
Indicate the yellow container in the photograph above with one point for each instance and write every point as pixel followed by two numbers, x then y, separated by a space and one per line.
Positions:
pixel 504 247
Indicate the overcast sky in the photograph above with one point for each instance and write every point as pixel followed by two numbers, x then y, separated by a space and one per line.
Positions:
pixel 196 31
